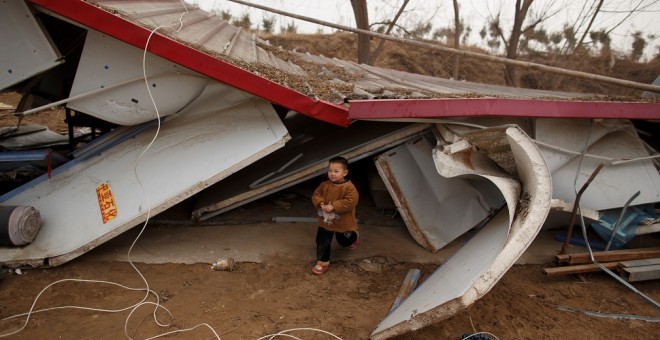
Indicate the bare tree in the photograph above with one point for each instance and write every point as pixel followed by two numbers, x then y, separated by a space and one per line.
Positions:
pixel 362 22
pixel 390 26
pixel 457 39
pixel 591 22
pixel 514 39
pixel 512 43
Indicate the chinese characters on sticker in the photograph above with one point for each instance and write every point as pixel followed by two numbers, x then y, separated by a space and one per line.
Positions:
pixel 106 202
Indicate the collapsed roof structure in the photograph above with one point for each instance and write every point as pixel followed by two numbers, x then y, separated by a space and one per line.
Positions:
pixel 196 106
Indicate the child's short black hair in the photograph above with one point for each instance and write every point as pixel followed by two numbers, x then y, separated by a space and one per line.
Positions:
pixel 339 160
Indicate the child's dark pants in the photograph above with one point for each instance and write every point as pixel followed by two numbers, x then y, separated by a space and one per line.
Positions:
pixel 324 242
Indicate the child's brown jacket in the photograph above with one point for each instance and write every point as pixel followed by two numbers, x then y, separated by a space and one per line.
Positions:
pixel 344 197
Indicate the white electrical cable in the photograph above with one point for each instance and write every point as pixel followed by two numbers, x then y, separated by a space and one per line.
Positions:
pixel 479 333
pixel 148 291
pixel 146 195
pixel 33 311
pixel 284 333
pixel 612 161
pixel 186 330
pixel 584 231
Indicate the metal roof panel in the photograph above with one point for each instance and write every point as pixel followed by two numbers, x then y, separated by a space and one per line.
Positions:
pixel 310 84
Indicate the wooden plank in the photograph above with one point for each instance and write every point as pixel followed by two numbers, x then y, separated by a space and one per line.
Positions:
pixel 639 263
pixel 578 269
pixel 409 283
pixel 642 273
pixel 610 256
pixel 647 229
pixel 563 258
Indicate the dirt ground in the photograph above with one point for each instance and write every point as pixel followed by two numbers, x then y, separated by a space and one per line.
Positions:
pixel 281 293
pixel 258 299
pixel 53 118
pixel 348 301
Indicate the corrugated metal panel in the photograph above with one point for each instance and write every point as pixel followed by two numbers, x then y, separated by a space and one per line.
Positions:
pixel 221 38
pixel 260 80
pixel 306 83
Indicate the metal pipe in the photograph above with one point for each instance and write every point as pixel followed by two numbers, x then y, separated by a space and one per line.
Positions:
pixel 576 204
pixel 618 220
pixel 540 67
pixel 584 231
pixel 93 92
pixel 611 273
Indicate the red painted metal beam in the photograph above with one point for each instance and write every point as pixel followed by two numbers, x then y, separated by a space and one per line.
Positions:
pixel 96 18
pixel 500 107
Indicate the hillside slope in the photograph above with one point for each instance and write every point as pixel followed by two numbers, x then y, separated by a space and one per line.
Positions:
pixel 440 64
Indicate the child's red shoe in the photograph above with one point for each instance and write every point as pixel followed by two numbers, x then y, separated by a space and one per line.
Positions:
pixel 319 268
pixel 356 243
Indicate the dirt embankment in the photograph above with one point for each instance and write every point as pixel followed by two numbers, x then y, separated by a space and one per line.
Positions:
pixel 440 64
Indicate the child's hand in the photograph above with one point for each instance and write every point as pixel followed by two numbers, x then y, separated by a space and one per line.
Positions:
pixel 328 208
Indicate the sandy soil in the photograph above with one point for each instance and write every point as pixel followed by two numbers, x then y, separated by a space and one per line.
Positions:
pixel 257 299
pixel 52 118
pixel 349 300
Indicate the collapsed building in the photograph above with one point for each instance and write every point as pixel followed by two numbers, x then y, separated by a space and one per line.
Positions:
pixel 186 104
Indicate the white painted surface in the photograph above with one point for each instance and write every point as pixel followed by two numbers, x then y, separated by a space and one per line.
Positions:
pixel 355 142
pixel 26 51
pixel 106 61
pixel 436 209
pixel 615 184
pixel 193 150
pixel 474 269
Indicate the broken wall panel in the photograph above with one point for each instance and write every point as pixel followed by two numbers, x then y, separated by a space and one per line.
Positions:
pixel 562 140
pixel 436 210
pixel 110 83
pixel 76 218
pixel 473 270
pixel 304 157
pixel 26 49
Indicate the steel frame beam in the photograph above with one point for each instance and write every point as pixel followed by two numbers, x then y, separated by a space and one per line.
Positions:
pixel 500 107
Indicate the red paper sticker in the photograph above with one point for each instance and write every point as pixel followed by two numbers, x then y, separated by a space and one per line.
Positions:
pixel 106 202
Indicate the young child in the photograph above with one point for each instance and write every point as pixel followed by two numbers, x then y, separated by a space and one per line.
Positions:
pixel 335 200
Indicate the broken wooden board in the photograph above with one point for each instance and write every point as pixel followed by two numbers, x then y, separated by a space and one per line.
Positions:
pixel 647 229
pixel 610 256
pixel 578 269
pixel 640 270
